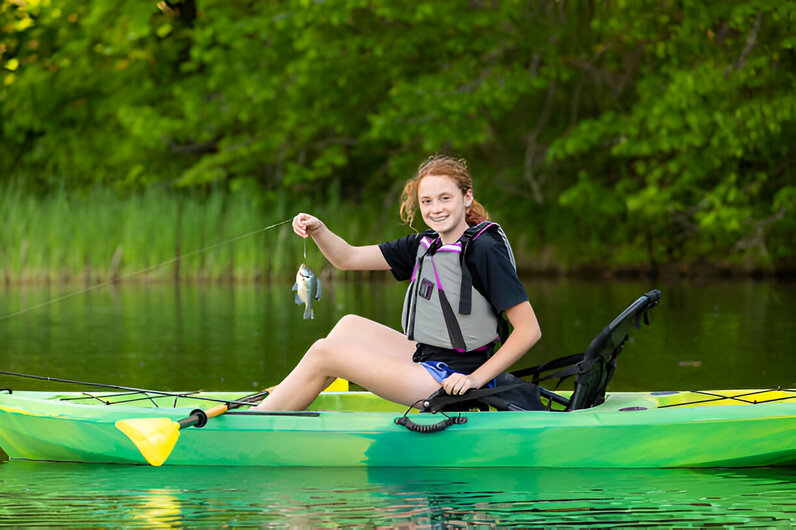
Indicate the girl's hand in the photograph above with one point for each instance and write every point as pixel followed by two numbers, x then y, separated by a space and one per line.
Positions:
pixel 457 384
pixel 304 224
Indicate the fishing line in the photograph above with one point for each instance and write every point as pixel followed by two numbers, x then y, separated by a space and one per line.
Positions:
pixel 148 269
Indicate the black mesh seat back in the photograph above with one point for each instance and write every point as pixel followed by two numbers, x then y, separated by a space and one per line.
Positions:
pixel 599 361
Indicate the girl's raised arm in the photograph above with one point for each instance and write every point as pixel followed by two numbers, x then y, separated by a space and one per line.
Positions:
pixel 337 250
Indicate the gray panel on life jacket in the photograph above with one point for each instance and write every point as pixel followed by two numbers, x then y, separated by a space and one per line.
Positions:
pixel 423 319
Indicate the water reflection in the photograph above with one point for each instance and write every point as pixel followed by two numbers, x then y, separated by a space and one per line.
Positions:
pixel 225 337
pixel 240 337
pixel 97 495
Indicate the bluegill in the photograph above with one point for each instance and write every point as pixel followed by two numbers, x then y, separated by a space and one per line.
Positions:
pixel 307 287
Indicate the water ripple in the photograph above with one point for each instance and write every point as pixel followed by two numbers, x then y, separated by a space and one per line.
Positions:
pixel 72 495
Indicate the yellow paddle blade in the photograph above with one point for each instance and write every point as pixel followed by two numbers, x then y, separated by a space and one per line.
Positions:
pixel 338 385
pixel 154 437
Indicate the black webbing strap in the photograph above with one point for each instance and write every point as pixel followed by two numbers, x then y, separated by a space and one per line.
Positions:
pixel 466 290
pixel 454 330
pixel 561 362
pixel 440 399
pixel 570 365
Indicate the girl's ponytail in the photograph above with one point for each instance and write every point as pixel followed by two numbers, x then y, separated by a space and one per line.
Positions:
pixel 476 213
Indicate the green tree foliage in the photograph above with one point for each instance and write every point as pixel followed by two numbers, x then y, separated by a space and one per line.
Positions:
pixel 630 133
pixel 701 150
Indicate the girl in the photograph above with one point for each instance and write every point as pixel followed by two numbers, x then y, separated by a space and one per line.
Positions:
pixel 407 368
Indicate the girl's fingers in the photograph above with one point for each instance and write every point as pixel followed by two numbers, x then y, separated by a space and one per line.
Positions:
pixel 300 223
pixel 457 384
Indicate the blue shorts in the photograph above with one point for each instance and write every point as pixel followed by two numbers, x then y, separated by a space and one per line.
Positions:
pixel 441 371
pixel 438 370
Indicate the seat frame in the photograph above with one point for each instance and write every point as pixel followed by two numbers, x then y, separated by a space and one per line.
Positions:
pixel 592 370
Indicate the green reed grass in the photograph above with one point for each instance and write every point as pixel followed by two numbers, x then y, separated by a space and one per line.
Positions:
pixel 99 234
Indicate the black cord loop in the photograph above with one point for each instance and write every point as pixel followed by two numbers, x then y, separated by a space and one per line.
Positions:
pixel 426 428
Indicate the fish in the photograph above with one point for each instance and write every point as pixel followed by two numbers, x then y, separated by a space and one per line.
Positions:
pixel 307 287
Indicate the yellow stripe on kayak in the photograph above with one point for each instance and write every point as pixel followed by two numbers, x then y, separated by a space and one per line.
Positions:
pixel 712 398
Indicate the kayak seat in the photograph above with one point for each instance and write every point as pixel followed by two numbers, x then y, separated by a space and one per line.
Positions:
pixel 592 370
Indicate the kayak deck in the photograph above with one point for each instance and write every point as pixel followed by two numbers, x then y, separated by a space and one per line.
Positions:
pixel 360 401
pixel 727 428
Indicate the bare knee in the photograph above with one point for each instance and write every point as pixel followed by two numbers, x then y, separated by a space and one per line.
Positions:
pixel 324 355
pixel 347 325
pixel 317 350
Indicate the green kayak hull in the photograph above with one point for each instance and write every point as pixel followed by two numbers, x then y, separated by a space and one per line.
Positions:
pixel 730 428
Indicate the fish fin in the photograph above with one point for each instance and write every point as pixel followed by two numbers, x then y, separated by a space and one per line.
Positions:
pixel 309 313
pixel 295 287
pixel 318 290
pixel 298 300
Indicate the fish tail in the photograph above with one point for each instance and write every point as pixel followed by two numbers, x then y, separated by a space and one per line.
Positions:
pixel 309 313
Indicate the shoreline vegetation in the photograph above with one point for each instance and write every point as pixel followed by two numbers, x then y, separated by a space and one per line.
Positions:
pixel 161 235
pixel 641 138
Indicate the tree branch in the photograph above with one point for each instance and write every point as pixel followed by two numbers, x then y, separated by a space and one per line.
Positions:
pixel 531 141
pixel 757 238
pixel 750 42
pixel 194 148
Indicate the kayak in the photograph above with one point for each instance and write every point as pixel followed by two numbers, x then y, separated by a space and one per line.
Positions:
pixel 726 428
pixel 513 424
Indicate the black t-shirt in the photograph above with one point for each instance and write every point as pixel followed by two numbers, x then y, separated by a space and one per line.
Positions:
pixel 487 259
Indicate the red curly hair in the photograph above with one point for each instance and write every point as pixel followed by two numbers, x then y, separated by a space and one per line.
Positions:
pixel 453 168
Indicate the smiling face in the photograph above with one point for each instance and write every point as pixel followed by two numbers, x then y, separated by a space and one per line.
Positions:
pixel 443 205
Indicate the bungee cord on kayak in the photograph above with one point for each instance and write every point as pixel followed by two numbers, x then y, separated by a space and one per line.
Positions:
pixel 742 398
pixel 143 391
pixel 147 269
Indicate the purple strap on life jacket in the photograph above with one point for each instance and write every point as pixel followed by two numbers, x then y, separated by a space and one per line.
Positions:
pixel 414 271
pixel 453 247
pixel 487 225
pixel 426 242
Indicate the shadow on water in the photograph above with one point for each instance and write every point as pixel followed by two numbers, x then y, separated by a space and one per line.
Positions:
pixel 34 494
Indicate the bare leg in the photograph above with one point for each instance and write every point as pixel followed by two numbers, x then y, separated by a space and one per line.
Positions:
pixel 360 350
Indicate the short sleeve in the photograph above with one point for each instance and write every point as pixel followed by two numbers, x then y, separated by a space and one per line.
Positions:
pixel 400 255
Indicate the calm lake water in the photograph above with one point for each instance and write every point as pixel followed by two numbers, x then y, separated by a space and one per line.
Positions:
pixel 707 335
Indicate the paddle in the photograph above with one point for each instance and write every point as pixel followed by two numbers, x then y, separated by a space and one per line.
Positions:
pixel 155 438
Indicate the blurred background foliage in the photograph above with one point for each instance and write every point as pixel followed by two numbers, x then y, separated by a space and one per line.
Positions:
pixel 618 135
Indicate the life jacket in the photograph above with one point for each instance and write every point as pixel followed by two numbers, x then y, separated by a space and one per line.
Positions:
pixel 441 282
